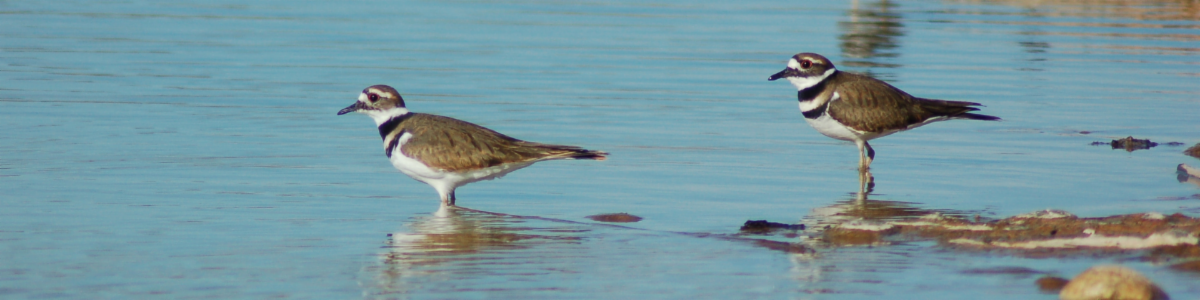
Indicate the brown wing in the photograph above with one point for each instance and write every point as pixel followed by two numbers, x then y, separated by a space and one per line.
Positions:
pixel 868 104
pixel 454 145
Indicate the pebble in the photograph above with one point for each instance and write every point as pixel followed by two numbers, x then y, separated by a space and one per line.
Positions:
pixel 1111 282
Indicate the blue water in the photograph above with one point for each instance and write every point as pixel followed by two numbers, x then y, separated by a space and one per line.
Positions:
pixel 191 150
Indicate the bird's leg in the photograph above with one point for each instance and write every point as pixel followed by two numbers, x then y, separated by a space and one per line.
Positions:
pixel 866 184
pixel 446 195
pixel 870 153
pixel 865 155
pixel 859 144
pixel 862 187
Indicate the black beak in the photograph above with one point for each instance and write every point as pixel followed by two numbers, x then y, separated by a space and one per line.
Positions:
pixel 352 108
pixel 779 75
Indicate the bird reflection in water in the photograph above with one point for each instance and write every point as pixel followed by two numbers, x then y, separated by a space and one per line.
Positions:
pixel 455 243
pixel 860 210
pixel 872 31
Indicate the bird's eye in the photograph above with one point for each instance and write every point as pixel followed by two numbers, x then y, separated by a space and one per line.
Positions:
pixel 373 97
pixel 805 64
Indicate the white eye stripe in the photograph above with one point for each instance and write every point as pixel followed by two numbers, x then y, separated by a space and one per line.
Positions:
pixel 366 95
pixel 802 83
pixel 792 63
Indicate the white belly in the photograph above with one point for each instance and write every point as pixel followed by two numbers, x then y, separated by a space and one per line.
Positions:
pixel 440 179
pixel 830 128
pixel 826 125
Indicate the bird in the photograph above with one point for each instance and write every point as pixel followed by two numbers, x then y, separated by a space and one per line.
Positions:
pixel 447 153
pixel 858 108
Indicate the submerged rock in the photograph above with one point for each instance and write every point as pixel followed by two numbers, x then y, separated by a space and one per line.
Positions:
pixel 763 227
pixel 1066 234
pixel 1051 284
pixel 615 218
pixel 860 232
pixel 1045 214
pixel 1190 266
pixel 1111 282
pixel 1041 233
pixel 1130 144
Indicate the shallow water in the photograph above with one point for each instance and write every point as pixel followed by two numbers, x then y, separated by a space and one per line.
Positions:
pixel 191 150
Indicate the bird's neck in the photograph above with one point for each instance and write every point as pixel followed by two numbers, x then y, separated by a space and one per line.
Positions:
pixel 382 116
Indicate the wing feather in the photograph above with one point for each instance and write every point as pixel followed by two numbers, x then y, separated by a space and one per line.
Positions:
pixel 868 104
pixel 453 145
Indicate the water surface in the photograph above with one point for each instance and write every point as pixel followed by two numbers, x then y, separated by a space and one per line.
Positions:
pixel 191 150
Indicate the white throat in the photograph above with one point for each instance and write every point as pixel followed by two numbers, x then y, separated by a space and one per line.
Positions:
pixel 807 106
pixel 802 83
pixel 381 116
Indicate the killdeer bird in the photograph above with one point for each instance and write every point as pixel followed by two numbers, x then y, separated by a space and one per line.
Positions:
pixel 447 153
pixel 858 108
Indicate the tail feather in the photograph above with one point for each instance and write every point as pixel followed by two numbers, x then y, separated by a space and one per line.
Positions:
pixel 971 116
pixel 955 109
pixel 578 153
pixel 550 151
pixel 589 154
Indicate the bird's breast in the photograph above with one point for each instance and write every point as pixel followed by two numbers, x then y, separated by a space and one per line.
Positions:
pixel 829 127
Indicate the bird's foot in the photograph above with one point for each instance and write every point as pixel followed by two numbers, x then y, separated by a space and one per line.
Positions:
pixel 864 168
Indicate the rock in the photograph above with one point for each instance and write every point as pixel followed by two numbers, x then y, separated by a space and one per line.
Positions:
pixel 1194 151
pixel 1111 282
pixel 1186 173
